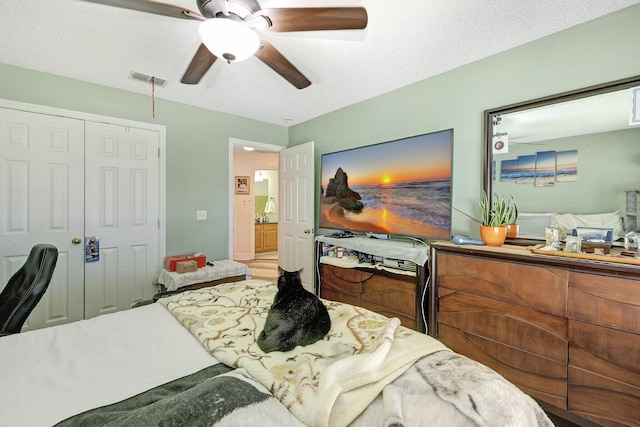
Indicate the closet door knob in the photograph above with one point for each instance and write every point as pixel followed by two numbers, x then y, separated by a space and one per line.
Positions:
pixel 76 240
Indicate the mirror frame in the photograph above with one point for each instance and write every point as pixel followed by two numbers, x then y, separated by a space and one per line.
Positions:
pixel 487 160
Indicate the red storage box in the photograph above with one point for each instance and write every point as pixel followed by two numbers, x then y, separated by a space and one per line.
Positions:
pixel 170 261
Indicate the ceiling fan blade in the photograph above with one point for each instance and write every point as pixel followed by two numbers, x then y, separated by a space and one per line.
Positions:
pixel 200 64
pixel 278 63
pixel 152 7
pixel 316 18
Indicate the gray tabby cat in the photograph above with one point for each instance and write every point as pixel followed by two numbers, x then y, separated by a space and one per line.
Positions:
pixel 297 317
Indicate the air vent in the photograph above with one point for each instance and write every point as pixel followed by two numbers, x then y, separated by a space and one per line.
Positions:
pixel 134 75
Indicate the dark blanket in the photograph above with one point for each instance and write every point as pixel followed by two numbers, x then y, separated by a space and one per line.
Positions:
pixel 200 399
pixel 441 389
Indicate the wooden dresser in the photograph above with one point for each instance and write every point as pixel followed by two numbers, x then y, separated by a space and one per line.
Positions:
pixel 566 331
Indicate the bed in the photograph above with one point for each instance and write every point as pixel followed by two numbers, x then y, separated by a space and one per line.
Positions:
pixel 191 359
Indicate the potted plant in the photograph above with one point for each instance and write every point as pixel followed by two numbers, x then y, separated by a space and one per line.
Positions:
pixel 493 230
pixel 512 218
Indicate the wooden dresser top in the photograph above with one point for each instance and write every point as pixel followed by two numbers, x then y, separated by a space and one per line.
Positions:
pixel 600 265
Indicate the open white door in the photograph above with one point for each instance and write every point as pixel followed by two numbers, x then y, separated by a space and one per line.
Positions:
pixel 297 219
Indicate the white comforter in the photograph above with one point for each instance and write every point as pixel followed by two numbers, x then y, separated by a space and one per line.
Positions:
pixel 50 374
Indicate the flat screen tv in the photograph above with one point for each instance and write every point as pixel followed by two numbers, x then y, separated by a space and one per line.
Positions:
pixel 400 187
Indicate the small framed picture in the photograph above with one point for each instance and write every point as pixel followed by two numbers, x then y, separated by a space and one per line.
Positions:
pixel 242 185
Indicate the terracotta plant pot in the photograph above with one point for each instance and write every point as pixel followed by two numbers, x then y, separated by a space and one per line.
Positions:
pixel 512 230
pixel 493 236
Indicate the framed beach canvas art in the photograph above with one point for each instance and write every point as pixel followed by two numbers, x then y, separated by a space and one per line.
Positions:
pixel 508 170
pixel 567 166
pixel 526 169
pixel 545 169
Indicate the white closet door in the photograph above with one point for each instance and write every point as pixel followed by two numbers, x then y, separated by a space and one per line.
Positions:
pixel 41 201
pixel 122 211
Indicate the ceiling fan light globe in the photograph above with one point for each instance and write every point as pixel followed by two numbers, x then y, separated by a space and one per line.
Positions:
pixel 226 38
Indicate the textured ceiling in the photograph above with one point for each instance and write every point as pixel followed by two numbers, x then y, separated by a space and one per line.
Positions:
pixel 595 114
pixel 406 41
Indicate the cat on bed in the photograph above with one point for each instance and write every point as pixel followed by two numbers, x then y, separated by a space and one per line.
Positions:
pixel 296 317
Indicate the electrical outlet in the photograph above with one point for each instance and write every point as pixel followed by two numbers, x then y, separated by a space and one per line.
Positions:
pixel 201 215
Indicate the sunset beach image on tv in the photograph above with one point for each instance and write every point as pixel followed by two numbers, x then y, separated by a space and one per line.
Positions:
pixel 400 187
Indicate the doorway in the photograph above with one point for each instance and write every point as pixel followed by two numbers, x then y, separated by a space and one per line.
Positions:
pixel 296 218
pixel 247 217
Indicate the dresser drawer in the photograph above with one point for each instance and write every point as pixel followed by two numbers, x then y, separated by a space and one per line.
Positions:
pixel 394 302
pixel 526 346
pixel 330 293
pixel 604 374
pixel 344 279
pixel 606 301
pixel 395 295
pixel 540 377
pixel 530 330
pixel 539 288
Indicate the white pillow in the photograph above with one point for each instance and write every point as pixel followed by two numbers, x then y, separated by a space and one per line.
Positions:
pixel 532 225
pixel 605 220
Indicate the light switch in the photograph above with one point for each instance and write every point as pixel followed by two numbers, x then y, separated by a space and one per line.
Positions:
pixel 201 215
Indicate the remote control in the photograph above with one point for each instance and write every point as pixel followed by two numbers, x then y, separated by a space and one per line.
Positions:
pixel 466 240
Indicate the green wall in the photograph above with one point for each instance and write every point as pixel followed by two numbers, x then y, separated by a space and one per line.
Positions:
pixel 596 52
pixel 197 163
pixel 198 139
pixel 613 159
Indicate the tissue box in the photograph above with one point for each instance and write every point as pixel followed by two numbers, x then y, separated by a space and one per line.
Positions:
pixel 186 266
pixel 170 261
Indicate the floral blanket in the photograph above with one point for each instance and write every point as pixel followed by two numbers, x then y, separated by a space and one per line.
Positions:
pixel 327 383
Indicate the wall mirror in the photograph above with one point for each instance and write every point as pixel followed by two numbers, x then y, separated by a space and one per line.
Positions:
pixel 266 195
pixel 568 160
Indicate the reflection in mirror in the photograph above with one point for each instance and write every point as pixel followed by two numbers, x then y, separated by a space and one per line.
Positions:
pixel 265 195
pixel 571 160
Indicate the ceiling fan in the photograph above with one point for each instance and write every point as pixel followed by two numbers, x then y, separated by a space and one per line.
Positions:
pixel 228 30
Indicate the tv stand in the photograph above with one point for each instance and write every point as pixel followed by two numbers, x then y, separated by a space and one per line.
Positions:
pixel 391 291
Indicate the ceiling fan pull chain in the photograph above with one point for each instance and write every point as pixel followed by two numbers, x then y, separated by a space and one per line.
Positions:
pixel 153 97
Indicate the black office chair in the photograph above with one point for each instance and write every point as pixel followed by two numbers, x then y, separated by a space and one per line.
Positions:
pixel 26 287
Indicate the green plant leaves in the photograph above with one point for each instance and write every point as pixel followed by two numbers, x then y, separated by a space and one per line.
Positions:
pixel 499 211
